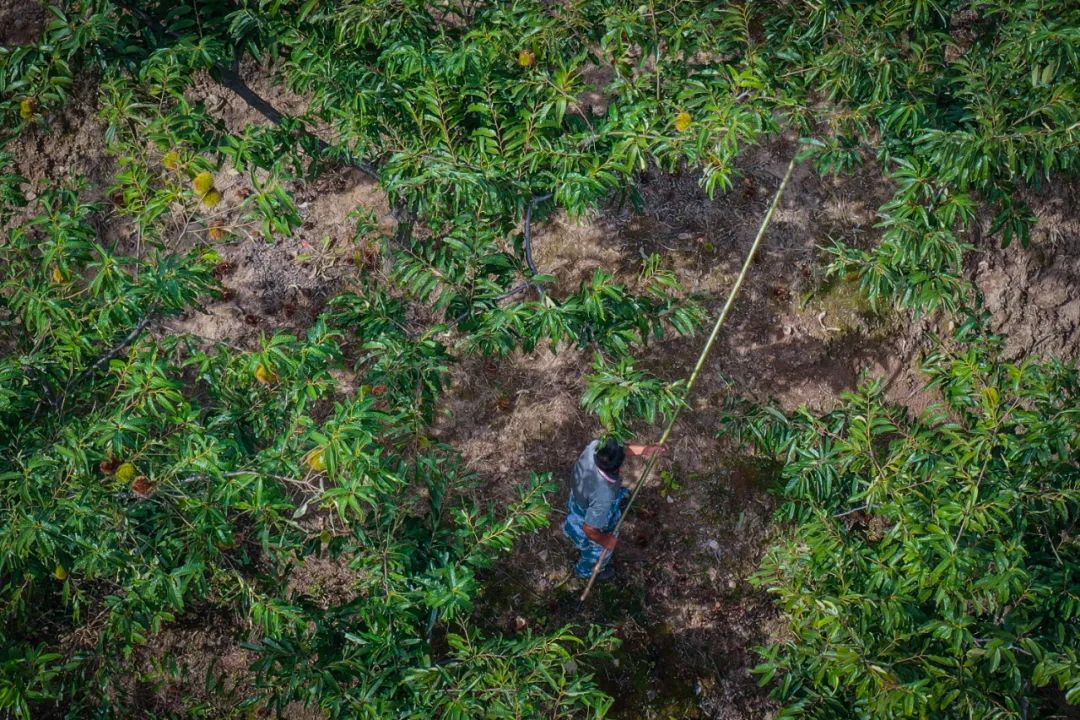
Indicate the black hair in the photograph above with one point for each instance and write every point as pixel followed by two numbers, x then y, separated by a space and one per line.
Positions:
pixel 609 455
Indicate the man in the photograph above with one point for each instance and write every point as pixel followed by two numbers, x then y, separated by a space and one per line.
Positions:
pixel 596 502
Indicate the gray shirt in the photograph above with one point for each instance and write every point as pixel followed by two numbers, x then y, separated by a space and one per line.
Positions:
pixel 594 490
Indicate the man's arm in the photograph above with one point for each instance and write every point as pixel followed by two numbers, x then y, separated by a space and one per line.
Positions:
pixel 645 451
pixel 605 540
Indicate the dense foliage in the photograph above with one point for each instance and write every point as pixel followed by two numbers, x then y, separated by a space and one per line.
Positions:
pixel 934 573
pixel 146 477
pixel 964 101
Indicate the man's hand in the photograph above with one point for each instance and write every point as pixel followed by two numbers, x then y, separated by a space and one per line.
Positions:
pixel 604 540
pixel 646 451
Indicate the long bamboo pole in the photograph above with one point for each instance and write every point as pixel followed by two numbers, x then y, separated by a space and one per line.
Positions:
pixel 697 368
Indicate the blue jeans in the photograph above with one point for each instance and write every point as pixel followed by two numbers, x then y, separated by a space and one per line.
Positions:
pixel 574 528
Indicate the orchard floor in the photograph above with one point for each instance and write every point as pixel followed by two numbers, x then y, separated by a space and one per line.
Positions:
pixel 683 603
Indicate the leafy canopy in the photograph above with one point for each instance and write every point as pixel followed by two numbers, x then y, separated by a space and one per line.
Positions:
pixel 934 571
pixel 147 478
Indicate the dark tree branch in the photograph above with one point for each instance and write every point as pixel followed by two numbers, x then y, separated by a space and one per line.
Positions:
pixel 518 289
pixel 59 402
pixel 131 336
pixel 231 79
pixel 528 230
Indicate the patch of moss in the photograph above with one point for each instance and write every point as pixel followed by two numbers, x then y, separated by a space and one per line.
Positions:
pixel 846 309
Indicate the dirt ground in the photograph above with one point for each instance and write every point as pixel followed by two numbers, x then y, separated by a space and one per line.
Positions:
pixel 1034 292
pixel 683 605
pixel 21 22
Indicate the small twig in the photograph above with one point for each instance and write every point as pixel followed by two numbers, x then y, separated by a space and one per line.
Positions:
pixel 135 332
pixel 119 348
pixel 821 322
pixel 852 511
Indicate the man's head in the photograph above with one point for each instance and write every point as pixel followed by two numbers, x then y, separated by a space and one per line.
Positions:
pixel 609 455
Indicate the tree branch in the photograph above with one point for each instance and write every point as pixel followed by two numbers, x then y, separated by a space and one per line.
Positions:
pixel 135 332
pixel 518 289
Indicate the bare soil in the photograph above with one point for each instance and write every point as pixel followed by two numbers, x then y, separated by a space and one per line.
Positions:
pixel 67 144
pixel 1034 292
pixel 683 603
pixel 21 22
